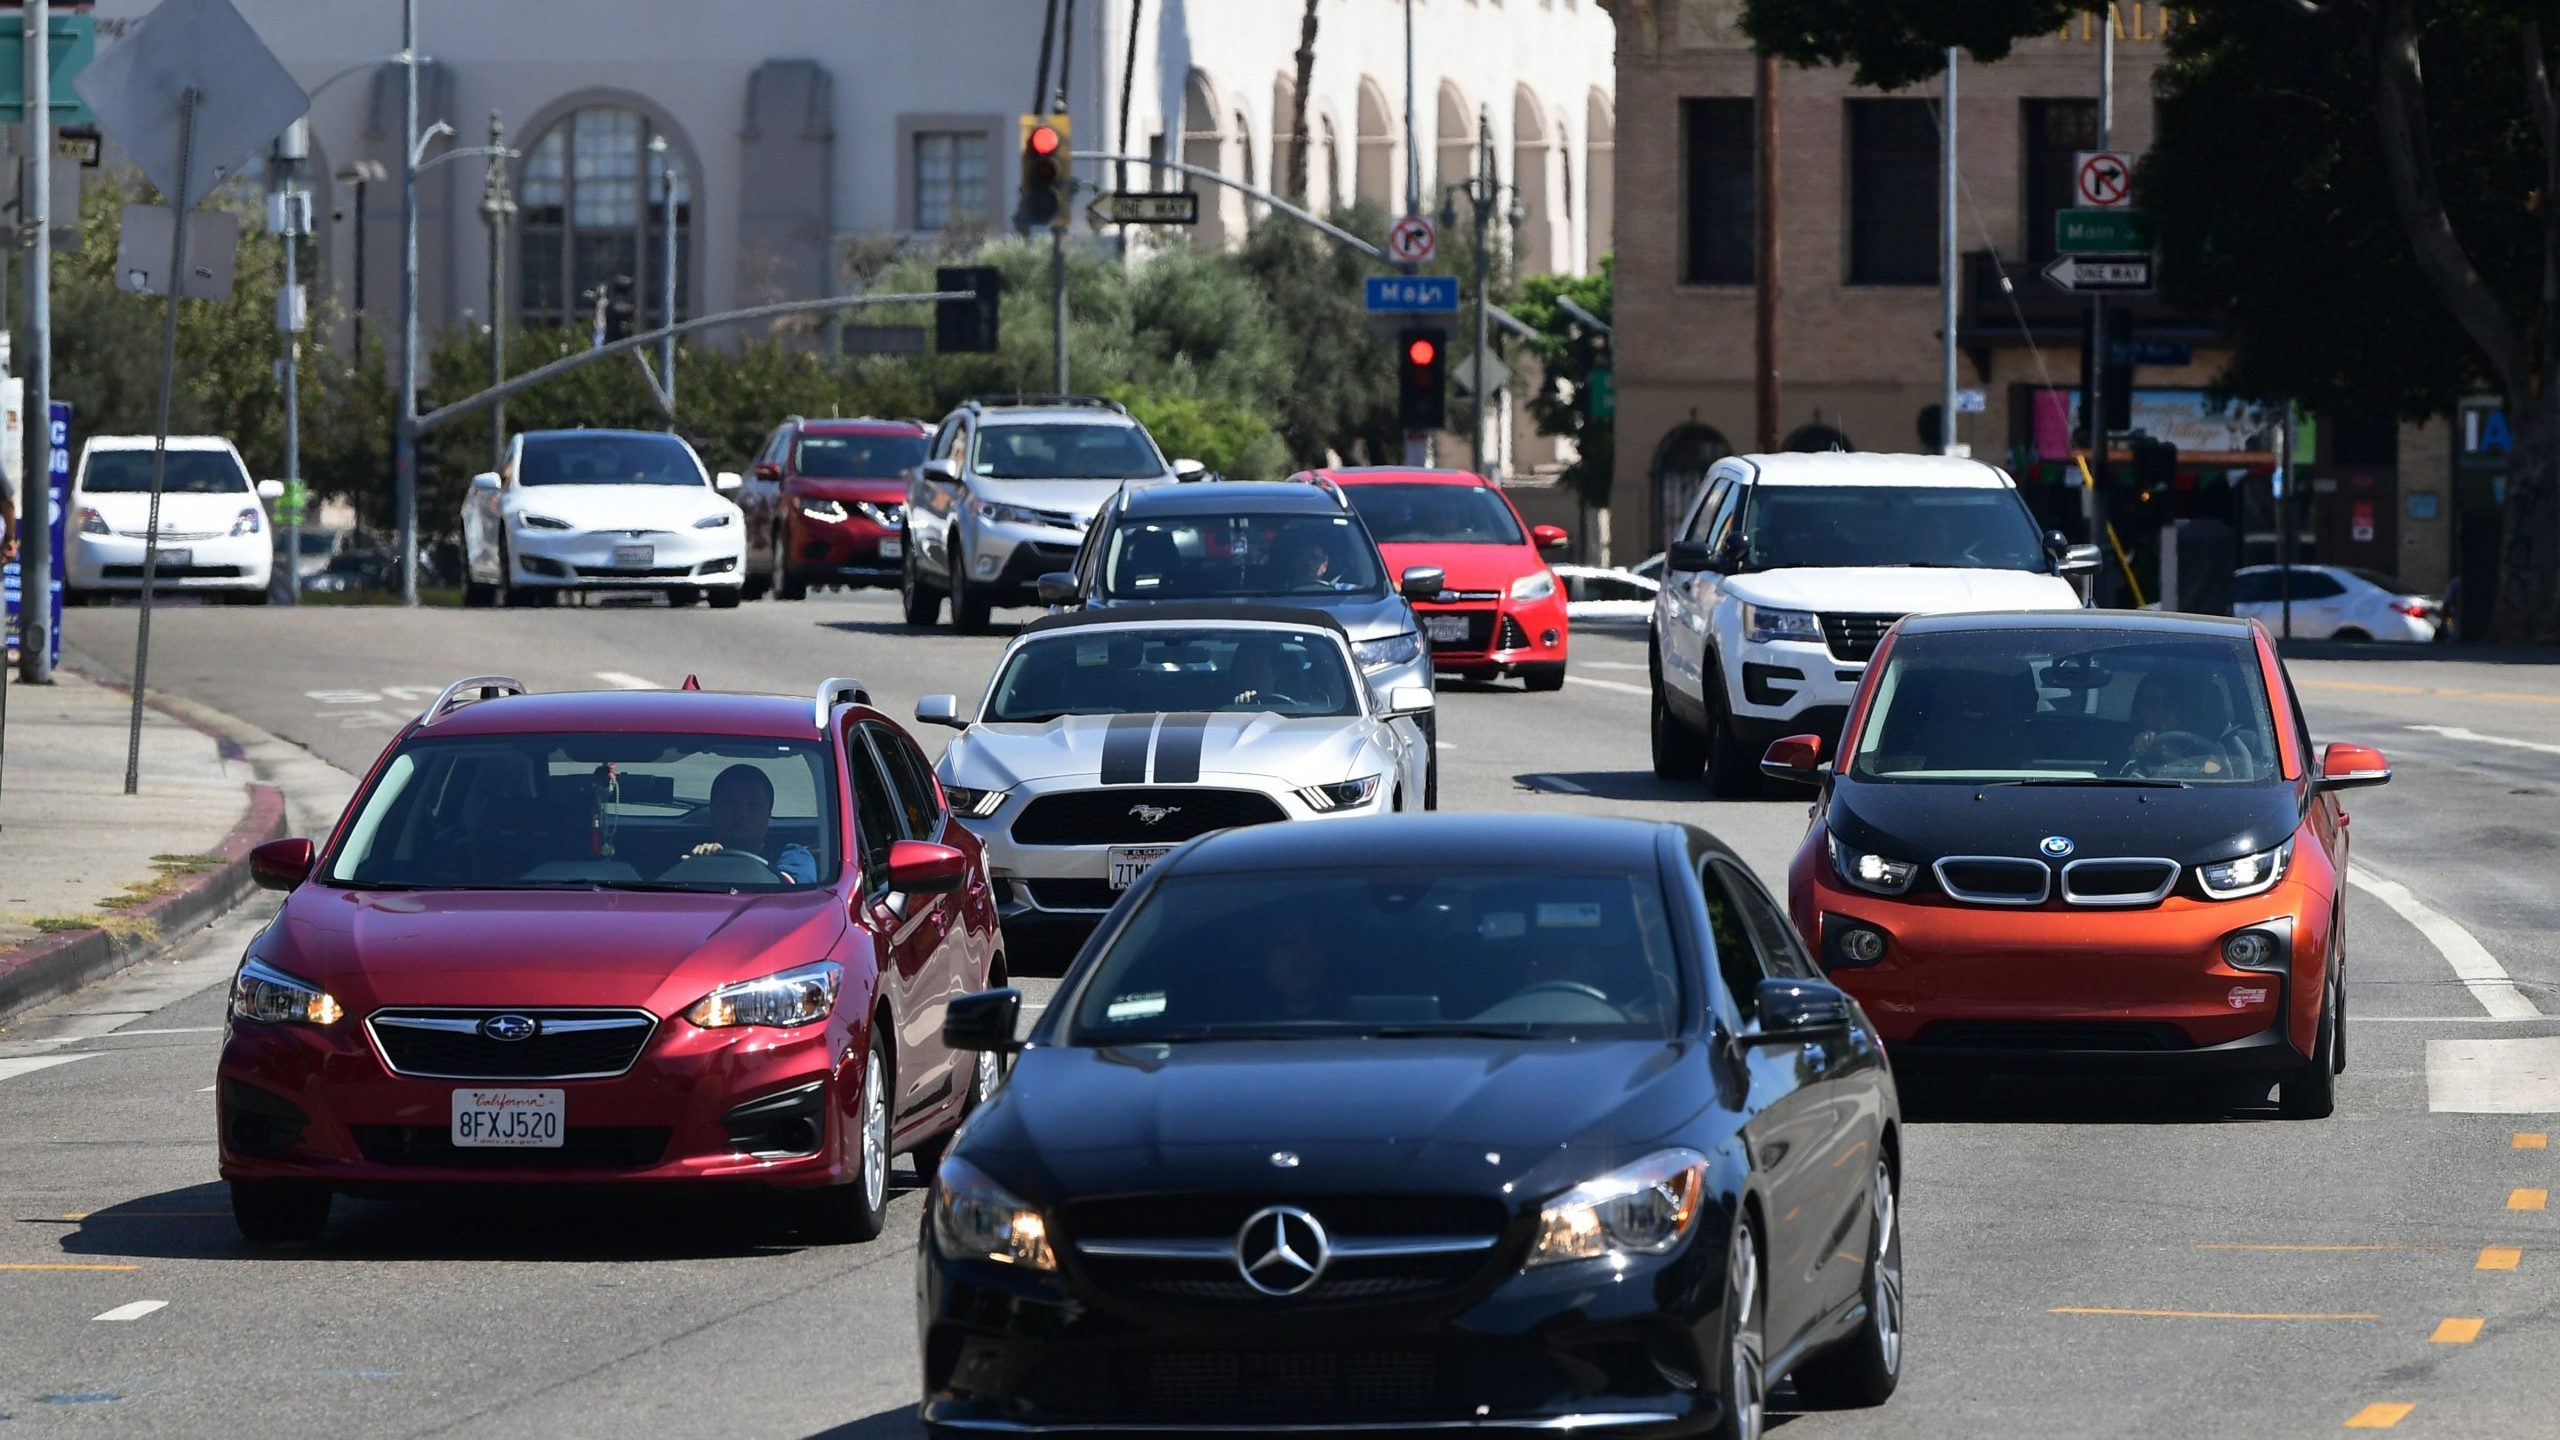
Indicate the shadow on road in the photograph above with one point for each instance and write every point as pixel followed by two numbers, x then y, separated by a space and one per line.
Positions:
pixel 2077 1100
pixel 1637 785
pixel 996 630
pixel 898 1424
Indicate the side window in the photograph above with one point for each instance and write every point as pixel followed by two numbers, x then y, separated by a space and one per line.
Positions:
pixel 1727 525
pixel 2253 589
pixel 1707 507
pixel 910 783
pixel 2316 585
pixel 1782 952
pixel 1738 957
pixel 875 811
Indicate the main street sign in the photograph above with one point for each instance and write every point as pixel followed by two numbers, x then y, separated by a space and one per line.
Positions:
pixel 2101 274
pixel 1147 207
pixel 1411 294
pixel 2101 232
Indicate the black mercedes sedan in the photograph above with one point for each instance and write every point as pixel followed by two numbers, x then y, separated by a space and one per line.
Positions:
pixel 1424 1123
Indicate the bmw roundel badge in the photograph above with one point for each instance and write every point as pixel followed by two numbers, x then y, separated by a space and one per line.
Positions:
pixel 2057 846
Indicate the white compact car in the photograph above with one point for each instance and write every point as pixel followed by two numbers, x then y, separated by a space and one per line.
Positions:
pixel 1790 568
pixel 1597 595
pixel 1109 737
pixel 602 510
pixel 213 530
pixel 2337 602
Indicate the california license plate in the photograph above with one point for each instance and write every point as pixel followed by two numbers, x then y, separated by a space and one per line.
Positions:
pixel 1444 628
pixel 634 557
pixel 507 1119
pixel 1128 862
pixel 174 557
pixel 892 548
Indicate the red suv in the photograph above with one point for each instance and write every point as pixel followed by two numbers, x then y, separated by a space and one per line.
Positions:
pixel 629 938
pixel 824 502
pixel 1500 611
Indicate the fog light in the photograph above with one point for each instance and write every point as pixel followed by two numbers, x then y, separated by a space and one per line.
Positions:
pixel 2249 950
pixel 1862 945
pixel 986 566
pixel 1547 638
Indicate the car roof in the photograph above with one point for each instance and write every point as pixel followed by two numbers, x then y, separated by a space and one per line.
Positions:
pixel 996 415
pixel 1223 497
pixel 1399 475
pixel 1841 467
pixel 612 433
pixel 1182 613
pixel 145 442
pixel 862 427
pixel 1435 839
pixel 675 712
pixel 2118 622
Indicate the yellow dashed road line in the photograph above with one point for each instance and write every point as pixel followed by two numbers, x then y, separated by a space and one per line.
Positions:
pixel 2380 1415
pixel 2528 1199
pixel 2457 1331
pixel 2499 1257
pixel 2532 1140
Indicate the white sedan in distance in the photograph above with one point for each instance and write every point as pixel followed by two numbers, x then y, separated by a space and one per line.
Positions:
pixel 602 510
pixel 1596 595
pixel 213 527
pixel 2337 602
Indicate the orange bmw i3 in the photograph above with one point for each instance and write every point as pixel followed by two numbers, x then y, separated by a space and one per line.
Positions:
pixel 2094 842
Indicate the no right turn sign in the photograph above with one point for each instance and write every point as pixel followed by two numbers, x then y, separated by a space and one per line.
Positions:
pixel 2104 179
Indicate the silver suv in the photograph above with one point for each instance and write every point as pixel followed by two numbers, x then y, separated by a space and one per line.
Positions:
pixel 1005 492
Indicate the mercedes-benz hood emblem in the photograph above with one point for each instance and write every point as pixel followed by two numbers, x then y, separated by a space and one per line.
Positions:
pixel 1282 1250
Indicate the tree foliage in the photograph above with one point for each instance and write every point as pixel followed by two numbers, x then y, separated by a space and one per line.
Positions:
pixel 1570 352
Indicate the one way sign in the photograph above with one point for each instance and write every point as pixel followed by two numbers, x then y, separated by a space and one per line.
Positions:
pixel 2117 274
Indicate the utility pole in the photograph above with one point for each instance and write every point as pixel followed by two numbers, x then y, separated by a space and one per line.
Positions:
pixel 404 443
pixel 1412 136
pixel 1481 192
pixel 292 149
pixel 667 271
pixel 1947 268
pixel 1765 243
pixel 36 560
pixel 2093 511
pixel 497 207
pixel 2284 488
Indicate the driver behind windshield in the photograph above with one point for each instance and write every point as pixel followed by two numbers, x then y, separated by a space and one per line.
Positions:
pixel 741 814
pixel 1306 559
pixel 2168 730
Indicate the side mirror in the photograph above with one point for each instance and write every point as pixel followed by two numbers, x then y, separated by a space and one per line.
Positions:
pixel 2078 560
pixel 1550 537
pixel 768 469
pixel 281 864
pixel 983 1022
pixel 940 710
pixel 920 867
pixel 728 482
pixel 1795 757
pixel 1057 588
pixel 1688 556
pixel 942 470
pixel 270 489
pixel 1799 1010
pixel 485 480
pixel 1189 469
pixel 1423 582
pixel 2352 767
pixel 1411 700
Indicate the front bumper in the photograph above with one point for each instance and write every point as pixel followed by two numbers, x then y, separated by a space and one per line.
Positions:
pixel 218 562
pixel 1789 687
pixel 299 1102
pixel 587 559
pixel 1499 636
pixel 1009 559
pixel 853 551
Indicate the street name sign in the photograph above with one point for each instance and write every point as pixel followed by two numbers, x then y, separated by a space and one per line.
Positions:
pixel 2101 232
pixel 2102 178
pixel 1147 207
pixel 1411 294
pixel 2093 274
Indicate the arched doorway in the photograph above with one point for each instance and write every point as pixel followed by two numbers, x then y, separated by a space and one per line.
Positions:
pixel 1599 167
pixel 1456 160
pixel 1817 437
pixel 1680 466
pixel 1203 146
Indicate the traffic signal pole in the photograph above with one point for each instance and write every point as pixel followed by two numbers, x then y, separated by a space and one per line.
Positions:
pixel 2092 504
pixel 1058 301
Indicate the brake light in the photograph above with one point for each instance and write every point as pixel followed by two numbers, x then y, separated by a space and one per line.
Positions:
pixel 2419 609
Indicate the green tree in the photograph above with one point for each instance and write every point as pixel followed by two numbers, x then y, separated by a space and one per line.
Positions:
pixel 1338 397
pixel 1570 352
pixel 2367 192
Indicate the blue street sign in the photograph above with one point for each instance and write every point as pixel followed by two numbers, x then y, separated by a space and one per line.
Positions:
pixel 1412 294
pixel 61 487
pixel 2151 352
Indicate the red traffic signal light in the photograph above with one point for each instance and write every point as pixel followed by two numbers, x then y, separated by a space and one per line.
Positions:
pixel 1422 389
pixel 1422 351
pixel 1044 140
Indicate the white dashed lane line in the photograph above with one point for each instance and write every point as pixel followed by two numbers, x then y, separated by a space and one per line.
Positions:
pixel 2477 969
pixel 620 681
pixel 28 1064
pixel 2457 732
pixel 134 1311
pixel 1557 782
pixel 1620 686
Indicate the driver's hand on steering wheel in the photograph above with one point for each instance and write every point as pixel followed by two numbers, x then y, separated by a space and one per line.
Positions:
pixel 707 847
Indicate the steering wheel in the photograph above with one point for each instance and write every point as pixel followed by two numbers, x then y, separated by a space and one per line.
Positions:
pixel 2171 745
pixel 727 853
pixel 1266 700
pixel 1567 987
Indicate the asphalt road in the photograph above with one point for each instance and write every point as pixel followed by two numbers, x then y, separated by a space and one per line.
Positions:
pixel 2083 1260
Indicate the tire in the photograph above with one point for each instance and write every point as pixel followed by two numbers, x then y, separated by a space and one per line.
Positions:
pixel 1430 760
pixel 252 597
pixel 1677 753
pixel 2338 1032
pixel 684 597
pixel 278 1212
pixel 1732 772
pixel 856 1210
pixel 2351 635
pixel 476 596
pixel 970 610
pixel 511 596
pixel 922 605
pixel 1746 1376
pixel 1862 1370
pixel 725 597
pixel 1543 680
pixel 986 1076
pixel 786 586
pixel 755 586
pixel 2309 1091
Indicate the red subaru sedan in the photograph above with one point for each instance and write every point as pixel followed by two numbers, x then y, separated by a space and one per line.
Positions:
pixel 824 502
pixel 1501 610
pixel 630 938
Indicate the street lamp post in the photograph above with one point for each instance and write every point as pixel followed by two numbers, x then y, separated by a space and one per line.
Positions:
pixel 497 207
pixel 667 275
pixel 1483 192
pixel 404 437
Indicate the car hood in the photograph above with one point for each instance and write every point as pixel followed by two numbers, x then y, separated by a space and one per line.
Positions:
pixel 890 490
pixel 1926 821
pixel 1462 1115
pixel 1891 590
pixel 496 947
pixel 620 507
pixel 1466 567
pixel 1363 617
pixel 1080 498
pixel 1311 751
pixel 130 514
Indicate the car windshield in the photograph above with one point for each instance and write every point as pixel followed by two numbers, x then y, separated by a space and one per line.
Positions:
pixel 191 472
pixel 581 811
pixel 1546 951
pixel 1164 670
pixel 1070 451
pixel 607 460
pixel 1199 557
pixel 1435 515
pixel 2069 707
pixel 1833 526
pixel 859 457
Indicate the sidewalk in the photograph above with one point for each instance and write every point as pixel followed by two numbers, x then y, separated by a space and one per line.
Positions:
pixel 92 879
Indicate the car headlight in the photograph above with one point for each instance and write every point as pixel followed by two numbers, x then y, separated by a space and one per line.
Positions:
pixel 1875 874
pixel 788 997
pixel 93 523
pixel 247 524
pixel 263 993
pixel 974 1218
pixel 542 522
pixel 975 804
pixel 997 513
pixel 712 521
pixel 1394 650
pixel 1759 622
pixel 1536 586
pixel 1640 1209
pixel 2248 875
pixel 822 509
pixel 1341 796
pixel 887 517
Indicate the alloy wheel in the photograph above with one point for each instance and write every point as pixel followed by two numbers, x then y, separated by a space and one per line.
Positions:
pixel 1747 1386
pixel 1885 1283
pixel 875 1134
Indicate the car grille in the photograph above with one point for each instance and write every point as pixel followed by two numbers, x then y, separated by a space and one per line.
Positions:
pixel 168 536
pixel 1247 1383
pixel 2118 882
pixel 582 1147
pixel 1994 879
pixel 2053 1035
pixel 1072 894
pixel 1479 634
pixel 1213 1279
pixel 571 1045
pixel 1854 637
pixel 173 572
pixel 1109 816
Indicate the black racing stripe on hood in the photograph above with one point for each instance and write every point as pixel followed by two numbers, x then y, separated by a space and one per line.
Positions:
pixel 1178 749
pixel 1124 749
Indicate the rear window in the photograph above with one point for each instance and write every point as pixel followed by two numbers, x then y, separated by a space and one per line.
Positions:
pixel 191 472
pixel 1435 515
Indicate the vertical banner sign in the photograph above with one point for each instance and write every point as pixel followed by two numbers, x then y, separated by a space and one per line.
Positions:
pixel 60 481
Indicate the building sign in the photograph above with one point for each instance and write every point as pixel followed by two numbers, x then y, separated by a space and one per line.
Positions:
pixel 2360 520
pixel 2188 419
pixel 2138 23
pixel 2485 430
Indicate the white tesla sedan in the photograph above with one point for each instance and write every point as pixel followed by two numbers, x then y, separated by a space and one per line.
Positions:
pixel 602 510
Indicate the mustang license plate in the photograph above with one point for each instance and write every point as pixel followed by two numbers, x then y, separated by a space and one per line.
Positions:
pixel 507 1119
pixel 892 548
pixel 1444 628
pixel 1128 862
pixel 634 557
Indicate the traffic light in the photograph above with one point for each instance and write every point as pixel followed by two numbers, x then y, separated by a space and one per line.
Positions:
pixel 621 307
pixel 2155 464
pixel 1046 188
pixel 2119 374
pixel 961 326
pixel 1422 367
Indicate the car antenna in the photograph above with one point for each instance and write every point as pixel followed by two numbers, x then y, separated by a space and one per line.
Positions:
pixel 692 682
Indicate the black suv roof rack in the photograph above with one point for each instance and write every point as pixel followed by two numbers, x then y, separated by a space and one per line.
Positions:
pixel 1097 402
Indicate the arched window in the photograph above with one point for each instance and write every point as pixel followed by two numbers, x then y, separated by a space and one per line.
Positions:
pixel 590 218
pixel 1680 466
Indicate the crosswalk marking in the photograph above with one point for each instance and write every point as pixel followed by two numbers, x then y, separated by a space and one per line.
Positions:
pixel 133 1311
pixel 29 1064
pixel 2494 1077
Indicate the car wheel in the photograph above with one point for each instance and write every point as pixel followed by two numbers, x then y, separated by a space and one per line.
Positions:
pixel 1543 678
pixel 856 1211
pixel 2338 1032
pixel 2351 634
pixel 786 586
pixel 755 586
pixel 1863 1369
pixel 510 595
pixel 2309 1091
pixel 922 606
pixel 274 1212
pixel 1677 755
pixel 476 596
pixel 1732 773
pixel 1746 1374
pixel 1430 725
pixel 725 597
pixel 970 610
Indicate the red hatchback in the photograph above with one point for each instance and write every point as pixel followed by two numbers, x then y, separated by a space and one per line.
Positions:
pixel 1501 611
pixel 628 938
pixel 824 502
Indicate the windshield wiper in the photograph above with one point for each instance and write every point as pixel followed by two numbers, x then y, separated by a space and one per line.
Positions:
pixel 2125 782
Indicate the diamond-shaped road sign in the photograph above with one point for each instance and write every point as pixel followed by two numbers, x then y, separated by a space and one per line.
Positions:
pixel 243 96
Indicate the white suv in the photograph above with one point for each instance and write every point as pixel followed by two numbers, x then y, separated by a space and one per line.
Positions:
pixel 1789 569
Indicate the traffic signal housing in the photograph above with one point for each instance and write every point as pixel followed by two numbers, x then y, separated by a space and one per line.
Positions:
pixel 1422 369
pixel 621 307
pixel 966 326
pixel 2119 397
pixel 1047 191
